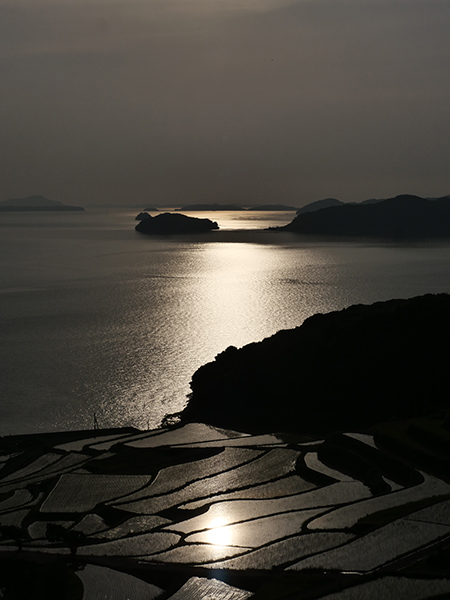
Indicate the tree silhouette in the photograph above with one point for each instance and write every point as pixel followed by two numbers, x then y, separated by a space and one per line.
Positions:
pixel 71 538
pixel 12 532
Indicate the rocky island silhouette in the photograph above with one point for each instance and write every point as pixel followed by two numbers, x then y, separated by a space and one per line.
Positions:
pixel 170 223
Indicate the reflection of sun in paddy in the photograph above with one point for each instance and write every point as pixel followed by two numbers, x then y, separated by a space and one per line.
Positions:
pixel 218 533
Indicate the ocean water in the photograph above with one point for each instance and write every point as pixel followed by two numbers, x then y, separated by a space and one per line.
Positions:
pixel 100 323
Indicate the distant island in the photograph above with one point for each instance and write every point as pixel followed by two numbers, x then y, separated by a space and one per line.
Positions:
pixel 35 203
pixel 151 209
pixel 141 216
pixel 271 207
pixel 228 207
pixel 170 223
pixel 209 207
pixel 405 217
pixel 339 371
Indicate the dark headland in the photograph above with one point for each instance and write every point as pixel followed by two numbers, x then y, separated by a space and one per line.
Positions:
pixel 36 203
pixel 404 217
pixel 337 371
pixel 170 223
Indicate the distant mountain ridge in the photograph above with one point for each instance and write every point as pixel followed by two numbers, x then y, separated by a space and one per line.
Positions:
pixel 318 204
pixel 404 217
pixel 36 203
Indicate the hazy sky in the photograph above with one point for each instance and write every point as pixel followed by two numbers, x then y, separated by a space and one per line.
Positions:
pixel 161 101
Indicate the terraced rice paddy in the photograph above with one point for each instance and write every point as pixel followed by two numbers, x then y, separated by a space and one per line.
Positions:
pixel 198 512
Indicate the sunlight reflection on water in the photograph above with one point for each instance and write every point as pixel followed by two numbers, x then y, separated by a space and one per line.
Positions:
pixel 248 220
pixel 97 319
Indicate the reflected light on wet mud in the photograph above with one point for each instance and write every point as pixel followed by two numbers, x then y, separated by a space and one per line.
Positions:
pixel 218 532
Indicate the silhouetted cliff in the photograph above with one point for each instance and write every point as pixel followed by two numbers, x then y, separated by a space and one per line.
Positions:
pixel 353 368
pixel 401 218
pixel 167 223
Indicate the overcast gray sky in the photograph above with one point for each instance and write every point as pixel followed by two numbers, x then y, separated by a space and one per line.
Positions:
pixel 177 101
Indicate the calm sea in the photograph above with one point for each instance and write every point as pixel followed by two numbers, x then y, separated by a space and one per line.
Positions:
pixel 100 322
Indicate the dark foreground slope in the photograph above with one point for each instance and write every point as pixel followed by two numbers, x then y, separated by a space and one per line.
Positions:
pixel 353 368
pixel 170 223
pixel 404 217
